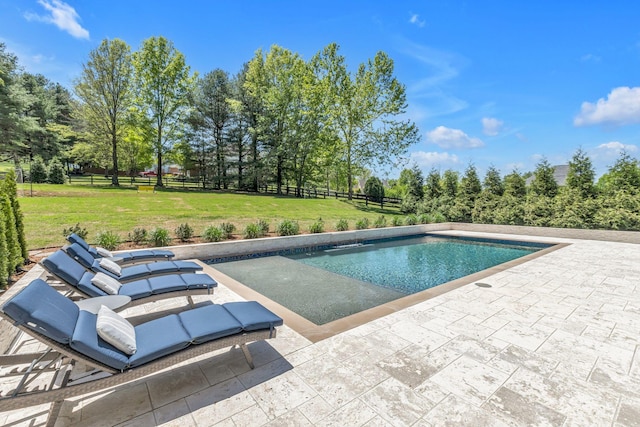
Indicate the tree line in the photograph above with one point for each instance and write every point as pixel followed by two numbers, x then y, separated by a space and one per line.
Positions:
pixel 280 120
pixel 613 202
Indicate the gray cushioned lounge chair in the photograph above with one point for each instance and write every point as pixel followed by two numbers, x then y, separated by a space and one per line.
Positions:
pixel 123 257
pixel 72 338
pixel 72 274
pixel 127 274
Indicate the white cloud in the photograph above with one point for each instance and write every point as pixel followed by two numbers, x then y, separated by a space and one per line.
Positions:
pixel 62 16
pixel 617 147
pixel 436 69
pixel 589 57
pixel 415 19
pixel 491 126
pixel 622 107
pixel 429 159
pixel 452 138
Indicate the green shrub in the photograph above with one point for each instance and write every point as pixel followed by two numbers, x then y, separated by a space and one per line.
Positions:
pixel 374 189
pixel 184 232
pixel 108 240
pixel 410 220
pixel 213 234
pixel 264 227
pixel 362 224
pixel 82 232
pixel 56 172
pixel 287 228
pixel 380 222
pixel 397 221
pixel 317 226
pixel 252 231
pixel 437 217
pixel 342 225
pixel 424 218
pixel 227 229
pixel 138 235
pixel 37 172
pixel 159 237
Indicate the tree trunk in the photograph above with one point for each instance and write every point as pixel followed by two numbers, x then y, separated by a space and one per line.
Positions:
pixel 114 154
pixel 254 150
pixel 279 175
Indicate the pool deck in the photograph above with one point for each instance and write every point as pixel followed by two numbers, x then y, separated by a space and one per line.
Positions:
pixel 552 341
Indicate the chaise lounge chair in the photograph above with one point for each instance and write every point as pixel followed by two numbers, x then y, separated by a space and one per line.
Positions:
pixel 122 257
pixel 76 277
pixel 75 337
pixel 123 274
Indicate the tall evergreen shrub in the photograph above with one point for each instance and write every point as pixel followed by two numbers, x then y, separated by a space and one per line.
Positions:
pixel 4 260
pixel 10 188
pixel 14 253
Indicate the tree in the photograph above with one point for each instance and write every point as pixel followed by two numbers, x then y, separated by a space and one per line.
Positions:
pixel 15 101
pixel 581 174
pixel 374 189
pixel 14 251
pixel 210 118
pixel 10 189
pixel 450 183
pixel 493 182
pixel 623 175
pixel 56 172
pixel 163 83
pixel 515 185
pixel 38 171
pixel 105 88
pixel 362 109
pixel 5 270
pixel 433 186
pixel 543 183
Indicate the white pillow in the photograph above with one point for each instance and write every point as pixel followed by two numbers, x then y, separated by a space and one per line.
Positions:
pixel 103 252
pixel 116 330
pixel 106 283
pixel 111 266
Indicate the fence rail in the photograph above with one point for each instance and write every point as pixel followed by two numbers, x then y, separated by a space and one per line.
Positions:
pixel 197 184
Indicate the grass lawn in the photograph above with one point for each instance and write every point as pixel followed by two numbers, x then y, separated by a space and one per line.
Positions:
pixel 52 208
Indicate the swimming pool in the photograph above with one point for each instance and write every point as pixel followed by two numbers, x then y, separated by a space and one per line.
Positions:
pixel 330 283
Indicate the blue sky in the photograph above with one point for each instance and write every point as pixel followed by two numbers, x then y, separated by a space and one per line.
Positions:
pixel 499 83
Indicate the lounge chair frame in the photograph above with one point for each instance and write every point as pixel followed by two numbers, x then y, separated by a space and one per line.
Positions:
pixel 64 358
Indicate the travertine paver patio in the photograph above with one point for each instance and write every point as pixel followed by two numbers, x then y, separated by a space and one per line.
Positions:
pixel 551 342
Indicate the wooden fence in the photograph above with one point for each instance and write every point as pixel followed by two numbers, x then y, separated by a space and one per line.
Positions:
pixel 197 184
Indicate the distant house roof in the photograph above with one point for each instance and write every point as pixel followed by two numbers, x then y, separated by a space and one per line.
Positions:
pixel 559 174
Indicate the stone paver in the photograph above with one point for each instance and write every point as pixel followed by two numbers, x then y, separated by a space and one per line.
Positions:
pixel 553 341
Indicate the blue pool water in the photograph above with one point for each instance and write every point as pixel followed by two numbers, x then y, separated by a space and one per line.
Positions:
pixel 413 265
pixel 325 284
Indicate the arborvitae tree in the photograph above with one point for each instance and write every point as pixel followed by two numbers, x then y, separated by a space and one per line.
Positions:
pixel 14 252
pixel 56 172
pixel 432 185
pixel 515 185
pixel 581 174
pixel 450 183
pixel 4 260
pixel 624 175
pixel 486 204
pixel 10 189
pixel 544 184
pixel 415 183
pixel 374 189
pixel 38 171
pixel 493 182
